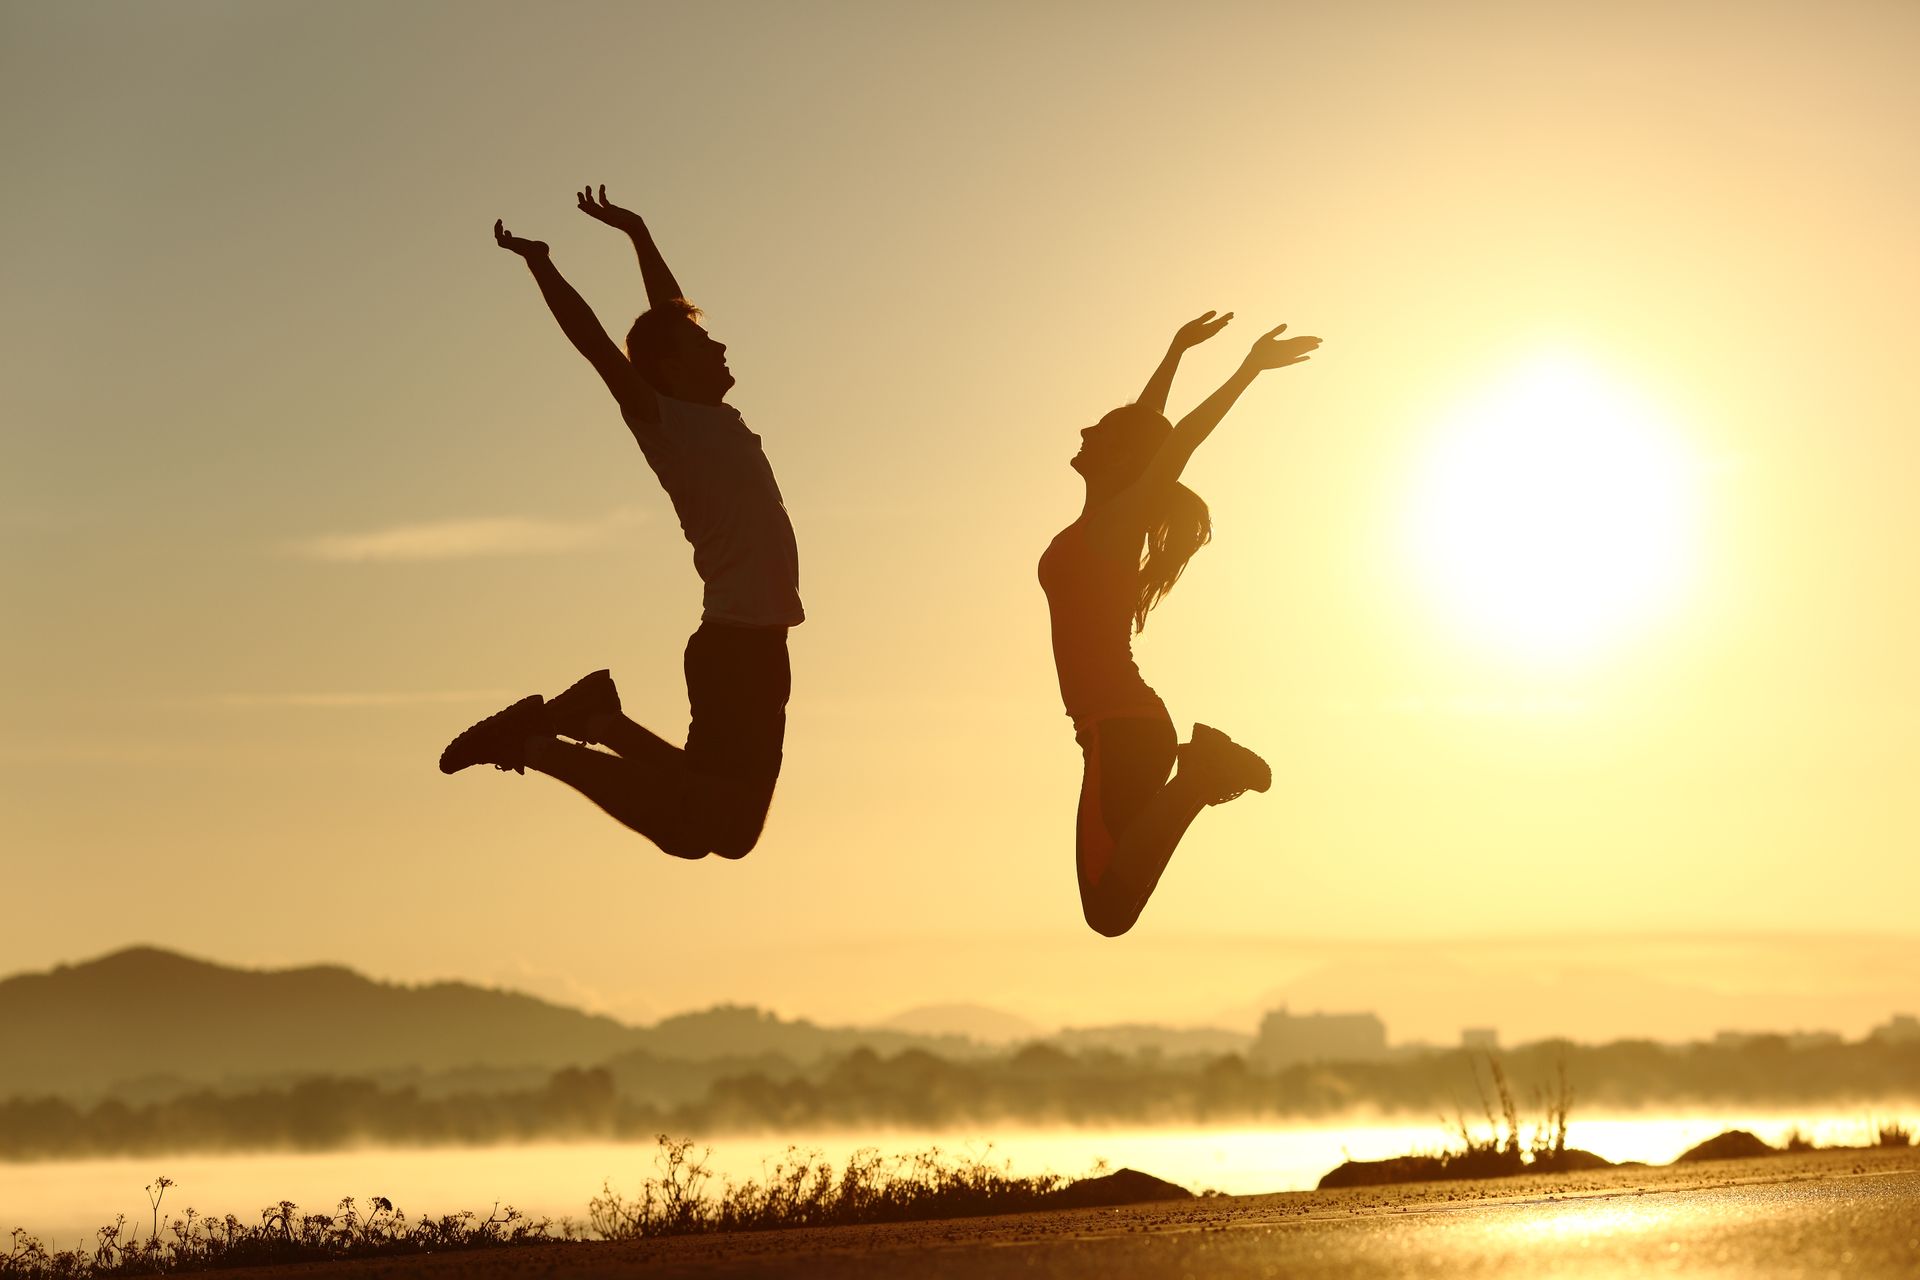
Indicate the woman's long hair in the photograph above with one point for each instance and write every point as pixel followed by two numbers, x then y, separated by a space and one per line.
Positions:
pixel 1179 528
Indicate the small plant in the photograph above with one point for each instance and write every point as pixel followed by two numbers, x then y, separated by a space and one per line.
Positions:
pixel 1893 1134
pixel 803 1190
pixel 193 1242
pixel 1501 1150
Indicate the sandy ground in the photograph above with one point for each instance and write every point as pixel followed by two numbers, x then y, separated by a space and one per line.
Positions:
pixel 1815 1215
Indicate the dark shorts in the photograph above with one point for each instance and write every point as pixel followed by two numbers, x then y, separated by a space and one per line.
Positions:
pixel 738 681
pixel 1127 761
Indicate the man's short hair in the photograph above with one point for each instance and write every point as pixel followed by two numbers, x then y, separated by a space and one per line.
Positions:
pixel 651 338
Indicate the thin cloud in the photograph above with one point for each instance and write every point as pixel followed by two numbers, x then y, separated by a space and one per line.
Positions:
pixel 464 539
pixel 360 700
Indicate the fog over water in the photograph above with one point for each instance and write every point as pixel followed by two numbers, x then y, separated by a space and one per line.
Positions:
pixel 63 1202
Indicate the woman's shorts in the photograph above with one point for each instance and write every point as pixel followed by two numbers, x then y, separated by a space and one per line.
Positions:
pixel 1127 760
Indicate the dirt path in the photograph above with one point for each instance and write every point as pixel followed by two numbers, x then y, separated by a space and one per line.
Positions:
pixel 1848 1213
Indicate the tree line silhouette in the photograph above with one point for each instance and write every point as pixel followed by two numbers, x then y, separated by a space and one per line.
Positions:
pixel 1039 1084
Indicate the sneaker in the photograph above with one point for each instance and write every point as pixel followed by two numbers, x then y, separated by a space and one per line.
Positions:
pixel 571 711
pixel 1230 769
pixel 499 740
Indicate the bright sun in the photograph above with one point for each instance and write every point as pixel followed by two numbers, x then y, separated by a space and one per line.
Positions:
pixel 1556 514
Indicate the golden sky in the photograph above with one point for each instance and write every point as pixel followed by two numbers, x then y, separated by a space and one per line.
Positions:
pixel 297 477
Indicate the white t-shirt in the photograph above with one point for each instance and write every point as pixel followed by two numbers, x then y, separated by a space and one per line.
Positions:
pixel 730 508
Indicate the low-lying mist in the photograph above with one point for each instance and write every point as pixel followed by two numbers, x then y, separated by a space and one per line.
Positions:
pixel 635 1096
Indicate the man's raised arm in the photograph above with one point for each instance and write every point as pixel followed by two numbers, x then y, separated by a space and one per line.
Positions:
pixel 662 288
pixel 582 327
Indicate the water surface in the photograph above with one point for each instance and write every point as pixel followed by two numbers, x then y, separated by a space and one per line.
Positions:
pixel 64 1201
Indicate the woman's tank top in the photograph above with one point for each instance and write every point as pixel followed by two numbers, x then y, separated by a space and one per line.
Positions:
pixel 1092 597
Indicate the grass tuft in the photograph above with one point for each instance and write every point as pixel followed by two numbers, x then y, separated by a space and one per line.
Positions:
pixel 1893 1134
pixel 804 1190
pixel 193 1242
pixel 1503 1149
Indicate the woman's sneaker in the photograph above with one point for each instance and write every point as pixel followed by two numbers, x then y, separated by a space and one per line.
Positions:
pixel 500 740
pixel 571 712
pixel 1227 768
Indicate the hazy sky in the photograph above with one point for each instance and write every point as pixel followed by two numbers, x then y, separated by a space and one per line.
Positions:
pixel 298 477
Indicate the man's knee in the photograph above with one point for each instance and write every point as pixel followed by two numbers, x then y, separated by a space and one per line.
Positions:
pixel 723 818
pixel 730 816
pixel 1107 917
pixel 719 840
pixel 736 828
pixel 735 845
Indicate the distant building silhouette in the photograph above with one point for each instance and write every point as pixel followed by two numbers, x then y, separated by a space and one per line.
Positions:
pixel 1486 1039
pixel 1319 1037
pixel 1901 1028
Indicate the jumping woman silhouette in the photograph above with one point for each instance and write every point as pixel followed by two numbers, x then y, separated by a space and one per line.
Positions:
pixel 1102 575
pixel 670 384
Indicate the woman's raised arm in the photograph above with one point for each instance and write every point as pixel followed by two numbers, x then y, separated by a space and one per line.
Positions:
pixel 1191 334
pixel 1270 352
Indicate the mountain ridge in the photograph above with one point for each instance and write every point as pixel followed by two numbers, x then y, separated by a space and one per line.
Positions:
pixel 148 1016
pixel 146 1011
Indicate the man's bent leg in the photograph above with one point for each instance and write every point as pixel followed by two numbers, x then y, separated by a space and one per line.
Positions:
pixel 738 680
pixel 653 799
pixel 728 814
pixel 635 741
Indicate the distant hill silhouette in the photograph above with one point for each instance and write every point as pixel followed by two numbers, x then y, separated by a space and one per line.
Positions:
pixel 144 1012
pixel 973 1021
pixel 1174 1042
pixel 149 1023
pixel 740 1031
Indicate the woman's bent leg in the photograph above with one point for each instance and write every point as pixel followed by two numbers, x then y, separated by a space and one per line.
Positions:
pixel 1131 818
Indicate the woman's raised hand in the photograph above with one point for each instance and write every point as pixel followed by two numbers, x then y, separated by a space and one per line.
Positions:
pixel 1198 330
pixel 1275 352
pixel 525 248
pixel 604 210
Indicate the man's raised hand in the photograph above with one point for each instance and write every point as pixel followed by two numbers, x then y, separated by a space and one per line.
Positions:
pixel 604 210
pixel 662 288
pixel 1198 330
pixel 525 248
pixel 1274 352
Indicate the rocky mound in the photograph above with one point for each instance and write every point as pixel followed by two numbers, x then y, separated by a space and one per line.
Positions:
pixel 1734 1144
pixel 1125 1186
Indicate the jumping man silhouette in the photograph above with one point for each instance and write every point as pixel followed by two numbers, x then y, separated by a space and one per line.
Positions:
pixel 670 385
pixel 1102 575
